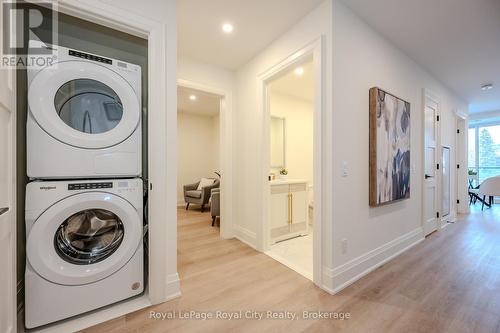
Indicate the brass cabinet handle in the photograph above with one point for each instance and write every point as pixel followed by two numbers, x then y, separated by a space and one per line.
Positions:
pixel 289 211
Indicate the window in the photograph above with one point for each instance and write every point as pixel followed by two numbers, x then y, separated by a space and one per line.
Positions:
pixel 484 150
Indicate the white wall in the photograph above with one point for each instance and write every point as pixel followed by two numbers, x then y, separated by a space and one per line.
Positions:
pixel 363 59
pixel 299 134
pixel 197 149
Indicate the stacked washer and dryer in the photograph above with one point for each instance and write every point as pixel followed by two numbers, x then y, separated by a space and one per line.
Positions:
pixel 84 202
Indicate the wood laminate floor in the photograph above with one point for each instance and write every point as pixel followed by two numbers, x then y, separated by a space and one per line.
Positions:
pixel 448 283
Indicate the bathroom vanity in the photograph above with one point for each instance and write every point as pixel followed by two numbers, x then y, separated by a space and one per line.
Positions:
pixel 288 209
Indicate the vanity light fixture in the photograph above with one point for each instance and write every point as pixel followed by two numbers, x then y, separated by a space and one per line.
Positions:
pixel 193 97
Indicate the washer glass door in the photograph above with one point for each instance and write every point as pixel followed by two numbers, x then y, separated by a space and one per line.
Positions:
pixel 89 236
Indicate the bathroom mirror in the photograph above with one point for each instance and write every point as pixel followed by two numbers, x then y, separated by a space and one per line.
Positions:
pixel 278 142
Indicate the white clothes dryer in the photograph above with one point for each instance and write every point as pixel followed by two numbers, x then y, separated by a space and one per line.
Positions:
pixel 84 117
pixel 84 246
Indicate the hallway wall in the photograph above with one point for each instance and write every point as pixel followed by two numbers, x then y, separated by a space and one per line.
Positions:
pixel 356 59
pixel 364 59
pixel 197 149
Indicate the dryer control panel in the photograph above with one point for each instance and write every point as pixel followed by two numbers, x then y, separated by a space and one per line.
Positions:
pixel 89 186
pixel 89 57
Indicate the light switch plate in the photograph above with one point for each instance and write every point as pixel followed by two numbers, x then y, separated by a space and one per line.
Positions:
pixel 345 171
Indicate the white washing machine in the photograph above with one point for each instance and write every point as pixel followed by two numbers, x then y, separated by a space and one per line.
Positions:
pixel 84 246
pixel 84 117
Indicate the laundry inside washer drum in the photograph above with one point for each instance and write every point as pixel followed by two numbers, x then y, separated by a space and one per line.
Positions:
pixel 89 236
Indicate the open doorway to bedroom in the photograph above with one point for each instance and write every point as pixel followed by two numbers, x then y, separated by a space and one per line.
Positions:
pixel 198 151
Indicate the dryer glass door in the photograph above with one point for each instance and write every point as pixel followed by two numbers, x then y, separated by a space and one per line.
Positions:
pixel 88 106
pixel 84 105
pixel 89 236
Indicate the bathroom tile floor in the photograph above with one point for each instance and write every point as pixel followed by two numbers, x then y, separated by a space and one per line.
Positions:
pixel 295 253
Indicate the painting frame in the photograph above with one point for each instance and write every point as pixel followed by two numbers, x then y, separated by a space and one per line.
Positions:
pixel 389 148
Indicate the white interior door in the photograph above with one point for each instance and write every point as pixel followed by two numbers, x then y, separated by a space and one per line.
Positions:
pixel 446 182
pixel 431 166
pixel 8 311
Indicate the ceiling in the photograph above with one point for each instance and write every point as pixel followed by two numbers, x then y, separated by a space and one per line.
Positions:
pixel 257 23
pixel 206 104
pixel 296 86
pixel 458 41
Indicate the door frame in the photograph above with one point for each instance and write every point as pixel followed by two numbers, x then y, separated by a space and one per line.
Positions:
pixel 429 95
pixel 461 153
pixel 451 214
pixel 316 50
pixel 163 279
pixel 8 101
pixel 226 147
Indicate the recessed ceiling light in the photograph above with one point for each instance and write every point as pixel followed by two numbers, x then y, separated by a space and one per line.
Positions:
pixel 227 28
pixel 193 97
pixel 487 86
pixel 299 71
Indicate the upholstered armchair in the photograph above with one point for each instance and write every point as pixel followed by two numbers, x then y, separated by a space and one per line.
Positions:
pixel 215 204
pixel 199 197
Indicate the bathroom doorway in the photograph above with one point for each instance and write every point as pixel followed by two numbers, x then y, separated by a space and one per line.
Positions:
pixel 292 111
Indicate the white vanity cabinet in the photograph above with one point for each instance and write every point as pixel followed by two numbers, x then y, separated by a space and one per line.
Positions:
pixel 288 205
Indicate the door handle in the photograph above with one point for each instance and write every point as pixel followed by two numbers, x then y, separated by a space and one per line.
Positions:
pixel 4 210
pixel 427 176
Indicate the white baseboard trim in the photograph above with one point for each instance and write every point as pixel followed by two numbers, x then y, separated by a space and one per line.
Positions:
pixel 245 236
pixel 334 280
pixel 173 287
pixel 450 218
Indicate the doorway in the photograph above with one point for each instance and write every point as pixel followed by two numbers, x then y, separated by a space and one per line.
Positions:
pixel 198 150
pixel 462 163
pixel 204 99
pixel 291 108
pixel 292 163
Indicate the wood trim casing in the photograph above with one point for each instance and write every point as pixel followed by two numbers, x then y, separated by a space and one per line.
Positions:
pixel 373 148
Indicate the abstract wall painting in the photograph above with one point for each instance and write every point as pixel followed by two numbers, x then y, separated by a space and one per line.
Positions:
pixel 389 160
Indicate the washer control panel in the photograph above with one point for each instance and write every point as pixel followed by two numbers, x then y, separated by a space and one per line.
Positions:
pixel 89 186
